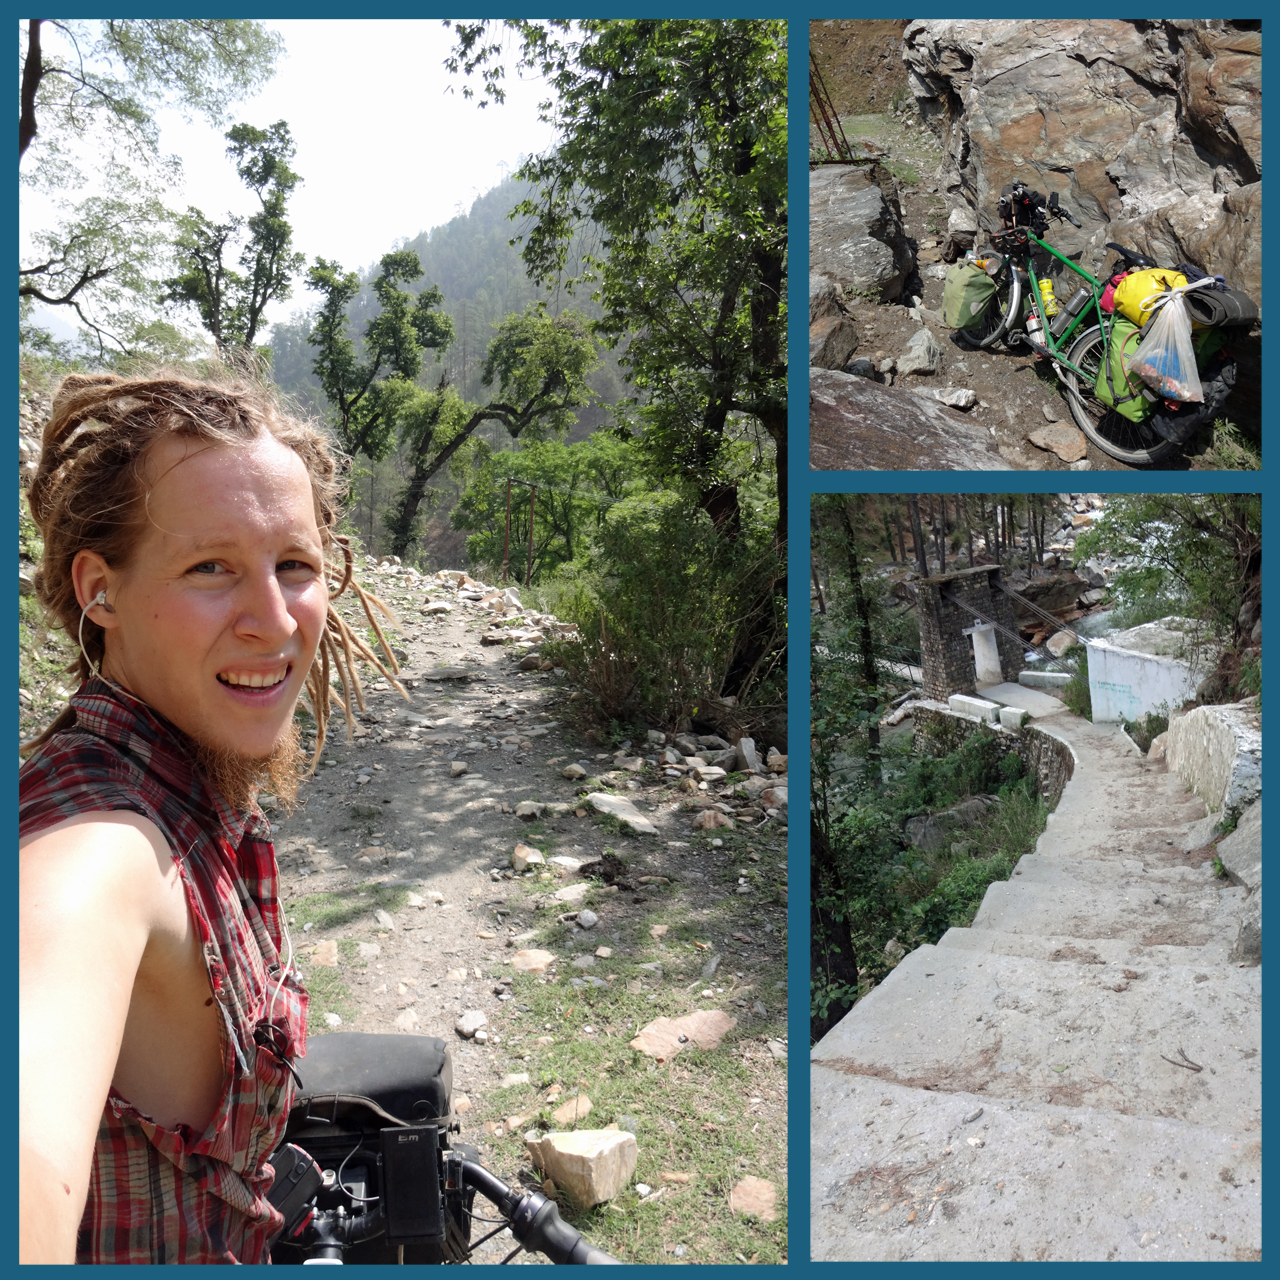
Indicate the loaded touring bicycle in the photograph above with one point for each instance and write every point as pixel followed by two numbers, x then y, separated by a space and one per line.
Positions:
pixel 1093 338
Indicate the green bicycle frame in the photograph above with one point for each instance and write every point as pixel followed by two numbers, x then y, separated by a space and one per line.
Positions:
pixel 1057 345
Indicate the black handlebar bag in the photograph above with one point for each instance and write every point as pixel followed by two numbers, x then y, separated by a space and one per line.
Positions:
pixel 353 1086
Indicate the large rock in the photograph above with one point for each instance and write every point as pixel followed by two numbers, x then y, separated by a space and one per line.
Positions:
pixel 859 425
pixel 832 340
pixel 1150 131
pixel 592 1165
pixel 931 831
pixel 962 232
pixel 855 232
pixel 824 298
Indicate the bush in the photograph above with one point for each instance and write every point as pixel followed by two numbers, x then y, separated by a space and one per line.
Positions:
pixel 1146 729
pixel 663 611
pixel 1075 693
pixel 895 890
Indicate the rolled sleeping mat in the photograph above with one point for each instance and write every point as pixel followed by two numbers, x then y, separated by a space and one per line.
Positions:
pixel 1218 307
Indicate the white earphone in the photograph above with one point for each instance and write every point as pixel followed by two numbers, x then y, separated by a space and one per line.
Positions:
pixel 100 598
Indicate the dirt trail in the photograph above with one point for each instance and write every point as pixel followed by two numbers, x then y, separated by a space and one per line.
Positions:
pixel 411 833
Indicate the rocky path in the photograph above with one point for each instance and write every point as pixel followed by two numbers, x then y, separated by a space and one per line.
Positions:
pixel 406 911
pixel 1075 1077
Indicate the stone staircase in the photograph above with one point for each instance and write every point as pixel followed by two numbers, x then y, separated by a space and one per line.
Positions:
pixel 1015 1093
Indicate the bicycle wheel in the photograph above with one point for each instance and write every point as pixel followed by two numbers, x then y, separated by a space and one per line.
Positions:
pixel 1113 433
pixel 1002 311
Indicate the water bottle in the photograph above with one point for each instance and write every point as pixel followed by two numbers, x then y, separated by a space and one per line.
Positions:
pixel 1071 308
pixel 1047 297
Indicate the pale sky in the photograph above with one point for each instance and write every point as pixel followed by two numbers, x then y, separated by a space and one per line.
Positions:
pixel 383 150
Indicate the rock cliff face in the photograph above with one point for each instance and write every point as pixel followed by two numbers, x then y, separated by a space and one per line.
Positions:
pixel 1150 131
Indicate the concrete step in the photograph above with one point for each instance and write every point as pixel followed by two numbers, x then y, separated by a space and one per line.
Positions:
pixel 1112 874
pixel 1090 911
pixel 1064 1033
pixel 896 1177
pixel 1113 951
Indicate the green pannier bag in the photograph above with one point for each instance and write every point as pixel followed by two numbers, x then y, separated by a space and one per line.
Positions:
pixel 1114 386
pixel 965 295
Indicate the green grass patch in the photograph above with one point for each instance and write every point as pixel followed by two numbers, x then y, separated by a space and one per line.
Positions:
pixel 327 911
pixel 715 1115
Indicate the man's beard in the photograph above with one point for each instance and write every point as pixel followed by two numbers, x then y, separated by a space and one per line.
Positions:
pixel 239 778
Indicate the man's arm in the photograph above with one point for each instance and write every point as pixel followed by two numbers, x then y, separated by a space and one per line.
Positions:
pixel 91 890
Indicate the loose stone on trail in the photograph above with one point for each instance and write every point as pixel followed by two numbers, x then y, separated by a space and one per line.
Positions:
pixel 663 1038
pixel 756 1197
pixel 623 810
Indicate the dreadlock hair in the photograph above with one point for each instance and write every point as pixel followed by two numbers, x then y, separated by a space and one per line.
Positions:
pixel 90 493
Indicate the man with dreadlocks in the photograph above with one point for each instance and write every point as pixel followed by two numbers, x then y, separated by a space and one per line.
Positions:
pixel 190 548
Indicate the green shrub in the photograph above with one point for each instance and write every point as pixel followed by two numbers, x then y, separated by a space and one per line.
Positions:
pixel 1075 693
pixel 1146 729
pixel 664 609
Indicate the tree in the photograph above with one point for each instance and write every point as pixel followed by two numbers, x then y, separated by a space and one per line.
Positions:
pixel 96 261
pixel 1198 552
pixel 672 140
pixel 575 484
pixel 539 364
pixel 87 96
pixel 72 89
pixel 231 304
pixel 395 342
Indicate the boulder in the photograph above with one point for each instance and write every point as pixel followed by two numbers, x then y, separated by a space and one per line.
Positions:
pixel 832 340
pixel 932 831
pixel 748 759
pixel 824 298
pixel 858 425
pixel 855 232
pixel 1151 132
pixel 923 354
pixel 962 231
pixel 592 1165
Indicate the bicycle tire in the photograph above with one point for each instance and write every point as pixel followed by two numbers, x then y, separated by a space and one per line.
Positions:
pixel 1002 310
pixel 1117 436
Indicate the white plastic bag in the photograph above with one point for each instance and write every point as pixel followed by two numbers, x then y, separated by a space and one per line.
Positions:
pixel 1165 359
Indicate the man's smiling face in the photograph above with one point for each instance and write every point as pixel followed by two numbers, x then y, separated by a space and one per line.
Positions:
pixel 219 611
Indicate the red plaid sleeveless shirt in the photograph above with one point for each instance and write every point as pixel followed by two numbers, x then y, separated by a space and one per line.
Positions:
pixel 173 1195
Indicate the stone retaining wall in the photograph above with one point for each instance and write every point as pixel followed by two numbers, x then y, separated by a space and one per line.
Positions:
pixel 939 731
pixel 1217 752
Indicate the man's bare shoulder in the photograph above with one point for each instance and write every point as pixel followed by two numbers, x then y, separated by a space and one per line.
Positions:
pixel 113 857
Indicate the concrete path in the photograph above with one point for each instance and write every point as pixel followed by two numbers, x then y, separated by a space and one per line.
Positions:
pixel 1033 701
pixel 1015 1091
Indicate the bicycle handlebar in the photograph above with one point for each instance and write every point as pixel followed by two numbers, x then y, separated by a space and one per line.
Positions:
pixel 534 1220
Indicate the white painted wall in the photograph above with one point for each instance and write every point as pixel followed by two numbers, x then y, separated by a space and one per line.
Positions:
pixel 1124 685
